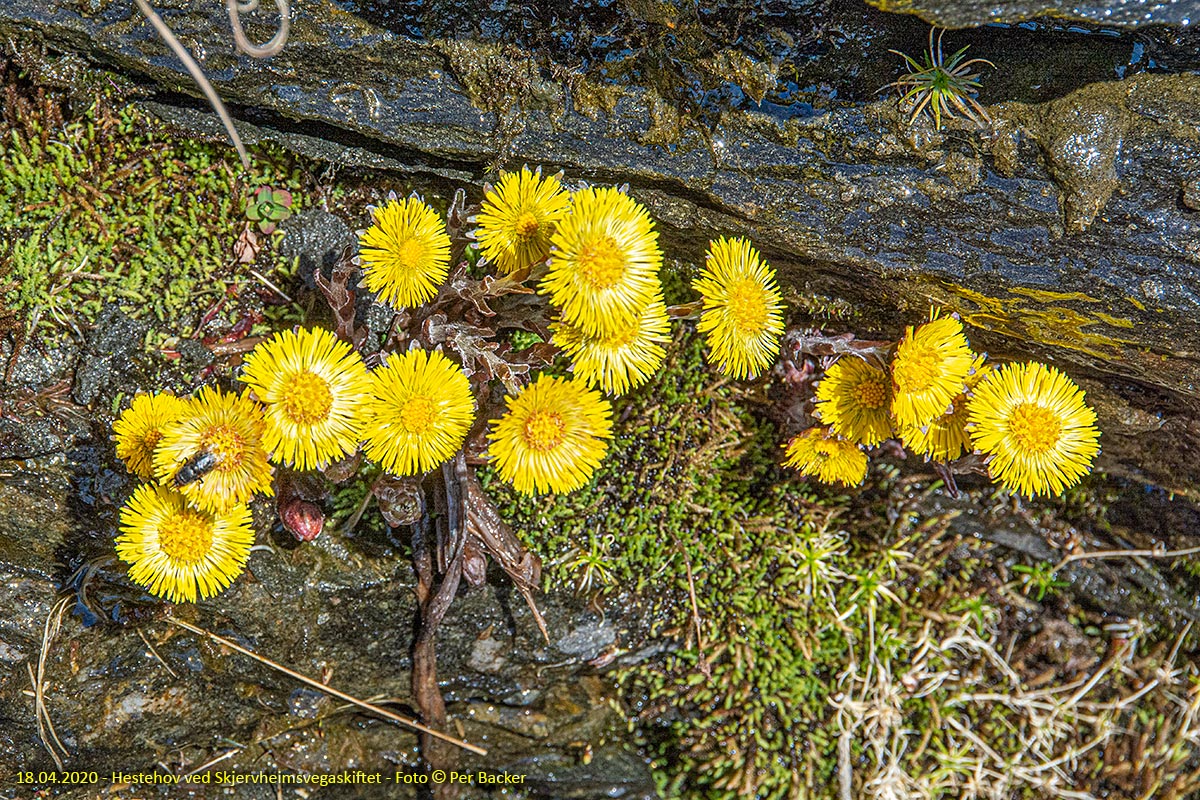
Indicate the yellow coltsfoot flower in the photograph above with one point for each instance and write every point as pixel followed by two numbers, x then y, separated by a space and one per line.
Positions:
pixel 946 438
pixel 619 361
pixel 405 254
pixel 604 264
pixel 1032 422
pixel 743 310
pixel 179 552
pixel 214 454
pixel 929 370
pixel 418 413
pixel 312 385
pixel 139 428
pixel 854 399
pixel 518 217
pixel 828 458
pixel 552 437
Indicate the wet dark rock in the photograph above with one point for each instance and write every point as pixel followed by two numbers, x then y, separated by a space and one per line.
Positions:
pixel 1122 588
pixel 24 437
pixel 318 239
pixel 569 778
pixel 489 654
pixel 193 354
pixel 325 609
pixel 378 319
pixel 1191 194
pixel 109 355
pixel 345 150
pixel 38 417
pixel 36 520
pixel 1080 147
pixel 38 367
pixel 587 641
pixel 968 13
pixel 1059 235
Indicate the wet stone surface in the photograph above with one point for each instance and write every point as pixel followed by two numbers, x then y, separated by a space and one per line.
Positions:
pixel 964 13
pixel 317 239
pixel 39 417
pixel 1063 233
pixel 109 355
pixel 117 697
pixel 125 687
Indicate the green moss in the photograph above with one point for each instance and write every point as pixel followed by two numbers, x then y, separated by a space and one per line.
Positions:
pixel 690 500
pixel 795 618
pixel 109 207
pixel 523 339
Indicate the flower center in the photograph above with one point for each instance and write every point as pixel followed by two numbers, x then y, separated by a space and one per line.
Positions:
pixel 602 263
pixel 544 430
pixel 1036 429
pixel 526 225
pixel 622 338
pixel 747 306
pixel 306 398
pixel 186 536
pixel 410 254
pixel 823 449
pixel 227 445
pixel 871 394
pixel 917 368
pixel 418 415
pixel 150 440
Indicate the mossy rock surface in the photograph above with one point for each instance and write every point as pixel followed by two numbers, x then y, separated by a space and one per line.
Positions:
pixel 109 209
pixel 729 611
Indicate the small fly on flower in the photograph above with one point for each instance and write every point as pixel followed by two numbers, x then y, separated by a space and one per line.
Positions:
pixel 196 467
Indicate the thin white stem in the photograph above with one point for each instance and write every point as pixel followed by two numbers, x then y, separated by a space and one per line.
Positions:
pixel 239 35
pixel 1152 553
pixel 383 712
pixel 197 75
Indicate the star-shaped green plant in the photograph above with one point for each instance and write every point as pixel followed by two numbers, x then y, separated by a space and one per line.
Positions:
pixel 269 207
pixel 941 86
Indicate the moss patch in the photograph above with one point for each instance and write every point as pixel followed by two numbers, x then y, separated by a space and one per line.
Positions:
pixel 109 207
pixel 690 504
pixel 814 635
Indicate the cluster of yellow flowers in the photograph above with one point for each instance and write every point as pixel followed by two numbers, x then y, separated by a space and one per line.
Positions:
pixel 942 401
pixel 188 529
pixel 309 398
pixel 602 275
pixel 181 534
pixel 595 257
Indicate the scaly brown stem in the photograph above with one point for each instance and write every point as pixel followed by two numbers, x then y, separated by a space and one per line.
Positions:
pixel 433 601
